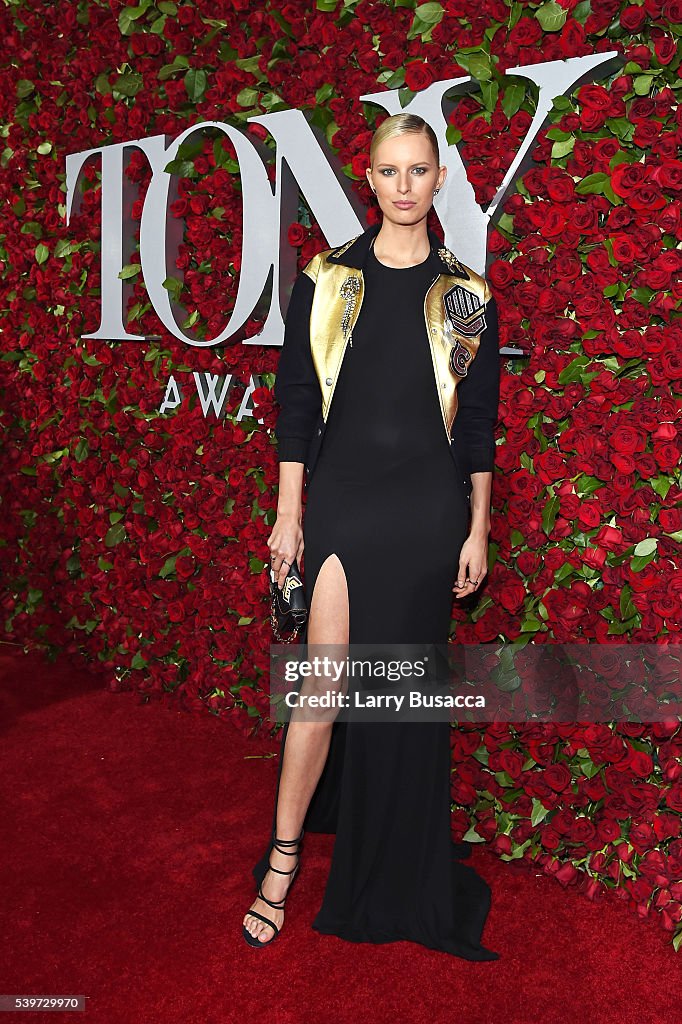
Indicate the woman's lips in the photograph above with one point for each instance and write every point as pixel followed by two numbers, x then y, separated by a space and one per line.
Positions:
pixel 404 205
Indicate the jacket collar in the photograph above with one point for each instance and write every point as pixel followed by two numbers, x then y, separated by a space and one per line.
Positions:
pixel 354 253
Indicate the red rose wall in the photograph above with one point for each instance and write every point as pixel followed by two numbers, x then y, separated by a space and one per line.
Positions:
pixel 138 539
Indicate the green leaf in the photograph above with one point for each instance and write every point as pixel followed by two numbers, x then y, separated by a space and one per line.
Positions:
pixel 82 450
pixel 622 127
pixel 324 93
pixel 180 63
pixel 89 359
pixel 517 851
pixel 642 85
pixel 513 97
pixel 128 84
pixel 172 285
pixel 477 64
pixel 539 812
pixel 593 184
pixel 168 567
pixel 574 371
pixel 196 82
pixel 63 248
pixel 41 253
pixel 551 16
pixel 582 12
pixel 549 514
pixel 646 546
pixel 661 484
pixel 44 148
pixel 24 88
pixel 115 534
pixel 589 768
pixel 472 836
pixel 489 93
pixel 129 15
pixel 430 13
pixel 130 270
pixel 644 553
pixel 560 149
pixel 248 98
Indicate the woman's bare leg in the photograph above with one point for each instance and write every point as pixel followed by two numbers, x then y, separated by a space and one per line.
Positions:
pixel 306 748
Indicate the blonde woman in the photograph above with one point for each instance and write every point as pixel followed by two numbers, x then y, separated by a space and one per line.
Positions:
pixel 389 341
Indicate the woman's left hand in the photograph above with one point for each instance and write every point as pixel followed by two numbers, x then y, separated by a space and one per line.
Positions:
pixel 473 565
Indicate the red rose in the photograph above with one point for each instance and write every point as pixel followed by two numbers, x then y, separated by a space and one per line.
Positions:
pixel 608 830
pixel 572 39
pixel 666 826
pixel 665 49
pixel 641 764
pixel 418 75
pixel 567 874
pixel 296 235
pixel 632 18
pixel 626 178
pixel 526 32
pixel 673 797
pixel 558 777
pixel 623 248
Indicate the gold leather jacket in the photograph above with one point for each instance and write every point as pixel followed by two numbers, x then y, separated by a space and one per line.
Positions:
pixel 326 301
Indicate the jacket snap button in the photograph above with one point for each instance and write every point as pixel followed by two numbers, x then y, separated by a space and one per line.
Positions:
pixel 329 380
pixel 319 431
pixel 433 330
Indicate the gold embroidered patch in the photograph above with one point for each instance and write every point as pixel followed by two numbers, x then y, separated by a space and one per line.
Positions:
pixel 349 291
pixel 452 262
pixel 465 311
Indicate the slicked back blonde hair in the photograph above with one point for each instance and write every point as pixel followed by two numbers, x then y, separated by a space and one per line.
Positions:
pixel 403 124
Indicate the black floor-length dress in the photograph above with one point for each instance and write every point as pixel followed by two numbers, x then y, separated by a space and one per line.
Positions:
pixel 386 498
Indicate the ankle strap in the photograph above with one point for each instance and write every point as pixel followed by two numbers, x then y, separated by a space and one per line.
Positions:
pixel 277 843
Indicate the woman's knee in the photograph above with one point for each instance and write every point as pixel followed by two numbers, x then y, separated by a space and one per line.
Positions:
pixel 329 613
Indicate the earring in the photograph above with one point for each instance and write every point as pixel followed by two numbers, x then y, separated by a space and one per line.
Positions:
pixel 436 191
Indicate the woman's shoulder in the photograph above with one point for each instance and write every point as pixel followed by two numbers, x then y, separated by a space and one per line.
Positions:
pixel 312 268
pixel 456 265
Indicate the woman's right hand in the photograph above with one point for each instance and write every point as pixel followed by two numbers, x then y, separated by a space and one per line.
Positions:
pixel 286 544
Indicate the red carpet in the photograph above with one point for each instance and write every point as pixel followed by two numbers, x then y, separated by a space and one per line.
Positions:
pixel 129 832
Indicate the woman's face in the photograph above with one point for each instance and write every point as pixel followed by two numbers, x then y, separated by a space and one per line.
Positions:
pixel 404 176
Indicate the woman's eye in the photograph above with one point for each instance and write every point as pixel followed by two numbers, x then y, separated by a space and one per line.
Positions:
pixel 390 170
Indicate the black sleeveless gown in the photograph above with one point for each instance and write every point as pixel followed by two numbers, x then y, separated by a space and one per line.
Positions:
pixel 386 498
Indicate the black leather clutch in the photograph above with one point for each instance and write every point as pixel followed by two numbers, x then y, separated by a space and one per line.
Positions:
pixel 288 609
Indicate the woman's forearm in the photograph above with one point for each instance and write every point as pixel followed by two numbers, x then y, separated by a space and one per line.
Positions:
pixel 289 501
pixel 481 490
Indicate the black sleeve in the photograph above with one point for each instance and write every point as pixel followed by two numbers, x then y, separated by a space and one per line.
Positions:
pixel 297 389
pixel 478 399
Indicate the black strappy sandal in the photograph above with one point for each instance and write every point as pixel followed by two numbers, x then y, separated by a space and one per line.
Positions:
pixel 275 904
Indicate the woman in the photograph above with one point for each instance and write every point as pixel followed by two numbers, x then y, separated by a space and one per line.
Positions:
pixel 387 337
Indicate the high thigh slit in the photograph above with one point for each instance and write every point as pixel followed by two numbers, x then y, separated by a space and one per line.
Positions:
pixel 385 497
